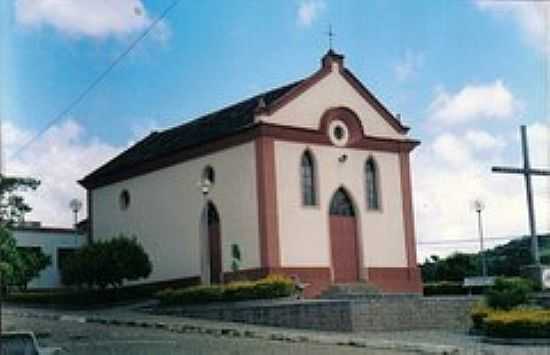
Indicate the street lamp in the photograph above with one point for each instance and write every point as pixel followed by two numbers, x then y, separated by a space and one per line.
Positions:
pixel 204 187
pixel 75 205
pixel 479 206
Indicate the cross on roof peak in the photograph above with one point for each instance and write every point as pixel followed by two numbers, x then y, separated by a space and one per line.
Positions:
pixel 330 34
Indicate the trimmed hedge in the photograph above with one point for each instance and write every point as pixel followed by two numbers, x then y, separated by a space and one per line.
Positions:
pixel 83 298
pixel 478 314
pixel 520 323
pixel 273 286
pixel 508 293
pixel 451 288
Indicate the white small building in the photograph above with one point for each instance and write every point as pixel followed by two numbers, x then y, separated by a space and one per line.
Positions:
pixel 55 242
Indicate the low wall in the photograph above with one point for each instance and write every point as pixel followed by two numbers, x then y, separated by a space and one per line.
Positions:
pixel 374 313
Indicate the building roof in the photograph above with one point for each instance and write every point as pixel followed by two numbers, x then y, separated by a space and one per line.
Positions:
pixel 224 122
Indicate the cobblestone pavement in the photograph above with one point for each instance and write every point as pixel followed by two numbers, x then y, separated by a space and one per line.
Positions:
pixel 470 345
pixel 178 335
pixel 89 338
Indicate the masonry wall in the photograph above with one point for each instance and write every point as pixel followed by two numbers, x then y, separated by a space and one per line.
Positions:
pixel 166 207
pixel 375 313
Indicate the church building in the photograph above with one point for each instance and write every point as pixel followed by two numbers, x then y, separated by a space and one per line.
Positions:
pixel 311 180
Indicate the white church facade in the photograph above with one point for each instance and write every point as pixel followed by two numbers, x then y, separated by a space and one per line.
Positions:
pixel 311 180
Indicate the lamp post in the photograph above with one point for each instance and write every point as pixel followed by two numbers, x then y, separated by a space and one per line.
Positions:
pixel 479 206
pixel 204 186
pixel 75 205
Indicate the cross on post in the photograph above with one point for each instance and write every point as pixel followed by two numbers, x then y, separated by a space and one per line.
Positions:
pixel 330 35
pixel 527 173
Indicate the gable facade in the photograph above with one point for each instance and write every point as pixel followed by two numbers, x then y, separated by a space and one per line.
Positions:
pixel 258 192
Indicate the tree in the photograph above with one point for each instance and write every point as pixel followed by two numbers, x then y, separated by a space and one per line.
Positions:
pixel 12 204
pixel 32 262
pixel 503 260
pixel 107 262
pixel 16 267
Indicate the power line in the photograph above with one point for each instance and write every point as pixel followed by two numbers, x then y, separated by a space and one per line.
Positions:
pixel 97 81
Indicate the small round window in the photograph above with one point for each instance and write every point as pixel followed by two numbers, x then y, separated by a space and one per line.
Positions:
pixel 338 133
pixel 124 200
pixel 209 174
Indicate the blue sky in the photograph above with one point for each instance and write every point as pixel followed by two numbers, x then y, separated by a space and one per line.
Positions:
pixel 463 74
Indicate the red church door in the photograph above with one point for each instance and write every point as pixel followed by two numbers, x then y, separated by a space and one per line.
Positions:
pixel 343 238
pixel 214 245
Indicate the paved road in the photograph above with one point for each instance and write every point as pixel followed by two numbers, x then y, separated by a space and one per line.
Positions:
pixel 86 339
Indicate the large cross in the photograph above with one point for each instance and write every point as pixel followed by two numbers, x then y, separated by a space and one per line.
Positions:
pixel 527 172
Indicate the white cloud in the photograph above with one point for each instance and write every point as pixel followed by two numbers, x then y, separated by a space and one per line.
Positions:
pixel 532 17
pixel 408 67
pixel 91 18
pixel 482 140
pixel 59 158
pixel 309 10
pixel 473 102
pixel 448 174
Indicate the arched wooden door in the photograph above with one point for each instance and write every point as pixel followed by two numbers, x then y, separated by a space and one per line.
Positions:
pixel 214 244
pixel 343 238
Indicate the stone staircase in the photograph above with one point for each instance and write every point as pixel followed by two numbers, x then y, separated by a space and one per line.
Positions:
pixel 349 291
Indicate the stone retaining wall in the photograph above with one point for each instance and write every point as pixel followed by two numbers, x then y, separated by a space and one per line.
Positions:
pixel 374 313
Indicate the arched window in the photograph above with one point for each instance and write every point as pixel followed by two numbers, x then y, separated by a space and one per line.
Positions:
pixel 209 174
pixel 309 197
pixel 371 178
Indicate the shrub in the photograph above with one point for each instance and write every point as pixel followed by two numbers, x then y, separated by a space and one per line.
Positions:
pixel 190 295
pixel 239 290
pixel 478 314
pixel 518 323
pixel 450 288
pixel 273 286
pixel 107 263
pixel 508 293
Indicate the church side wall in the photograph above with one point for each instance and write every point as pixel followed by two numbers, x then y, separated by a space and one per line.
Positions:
pixel 165 212
pixel 304 230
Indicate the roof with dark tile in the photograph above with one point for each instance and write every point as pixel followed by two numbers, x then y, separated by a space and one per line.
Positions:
pixel 212 126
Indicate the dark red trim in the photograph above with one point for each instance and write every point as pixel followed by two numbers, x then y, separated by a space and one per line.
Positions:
pixel 408 214
pixel 261 129
pixel 395 280
pixel 267 202
pixel 326 68
pixel 347 116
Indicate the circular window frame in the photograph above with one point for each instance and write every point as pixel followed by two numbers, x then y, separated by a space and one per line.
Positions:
pixel 333 128
pixel 124 200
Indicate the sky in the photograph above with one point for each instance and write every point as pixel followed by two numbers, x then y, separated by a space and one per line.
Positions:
pixel 463 74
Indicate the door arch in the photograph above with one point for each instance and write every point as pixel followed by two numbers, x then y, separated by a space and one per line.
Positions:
pixel 343 238
pixel 212 266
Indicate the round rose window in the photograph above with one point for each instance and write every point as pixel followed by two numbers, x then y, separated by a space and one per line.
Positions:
pixel 338 133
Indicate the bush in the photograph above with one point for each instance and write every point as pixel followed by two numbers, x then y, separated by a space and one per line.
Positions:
pixel 520 323
pixel 107 263
pixel 478 314
pixel 273 286
pixel 508 293
pixel 190 295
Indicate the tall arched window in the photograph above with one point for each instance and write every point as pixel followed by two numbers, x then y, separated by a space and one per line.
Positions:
pixel 309 197
pixel 371 177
